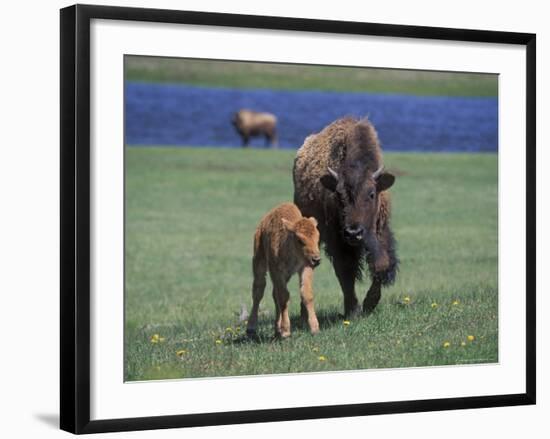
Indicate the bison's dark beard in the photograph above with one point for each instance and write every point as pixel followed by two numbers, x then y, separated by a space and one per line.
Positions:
pixel 372 246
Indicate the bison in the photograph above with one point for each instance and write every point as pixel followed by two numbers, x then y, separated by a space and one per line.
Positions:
pixel 252 123
pixel 285 243
pixel 339 179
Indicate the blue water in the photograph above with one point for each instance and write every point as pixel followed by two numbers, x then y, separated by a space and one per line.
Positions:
pixel 167 114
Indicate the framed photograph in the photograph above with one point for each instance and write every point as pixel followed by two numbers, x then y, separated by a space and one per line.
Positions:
pixel 274 218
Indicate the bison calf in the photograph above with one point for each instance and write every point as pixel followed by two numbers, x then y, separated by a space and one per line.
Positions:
pixel 285 243
pixel 252 123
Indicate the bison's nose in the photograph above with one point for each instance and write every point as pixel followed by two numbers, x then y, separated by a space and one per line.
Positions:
pixel 315 261
pixel 354 232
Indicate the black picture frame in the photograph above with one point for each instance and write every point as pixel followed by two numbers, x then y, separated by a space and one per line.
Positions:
pixel 75 217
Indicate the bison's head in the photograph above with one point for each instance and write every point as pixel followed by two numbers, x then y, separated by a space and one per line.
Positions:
pixel 235 119
pixel 306 239
pixel 357 193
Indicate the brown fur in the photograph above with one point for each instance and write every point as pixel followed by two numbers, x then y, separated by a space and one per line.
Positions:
pixel 285 243
pixel 252 123
pixel 351 199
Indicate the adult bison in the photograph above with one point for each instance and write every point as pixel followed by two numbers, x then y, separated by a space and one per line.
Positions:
pixel 252 123
pixel 340 180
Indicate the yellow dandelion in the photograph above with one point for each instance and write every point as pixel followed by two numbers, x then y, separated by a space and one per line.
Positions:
pixel 228 329
pixel 406 299
pixel 456 302
pixel 462 343
pixel 434 305
pixel 155 338
pixel 446 344
pixel 161 339
pixel 346 322
pixel 471 338
pixel 181 352
pixel 315 349
pixel 218 341
pixel 322 358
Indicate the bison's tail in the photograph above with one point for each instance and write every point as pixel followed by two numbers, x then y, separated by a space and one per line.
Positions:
pixel 257 241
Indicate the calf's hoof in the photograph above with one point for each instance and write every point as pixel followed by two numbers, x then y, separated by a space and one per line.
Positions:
pixel 282 334
pixel 314 327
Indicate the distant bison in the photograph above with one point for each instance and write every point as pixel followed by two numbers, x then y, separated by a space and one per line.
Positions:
pixel 285 243
pixel 252 124
pixel 340 180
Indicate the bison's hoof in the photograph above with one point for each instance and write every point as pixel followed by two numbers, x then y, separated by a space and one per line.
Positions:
pixel 252 335
pixel 368 308
pixel 352 313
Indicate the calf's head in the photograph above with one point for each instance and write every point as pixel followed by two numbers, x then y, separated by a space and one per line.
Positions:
pixel 306 239
pixel 357 193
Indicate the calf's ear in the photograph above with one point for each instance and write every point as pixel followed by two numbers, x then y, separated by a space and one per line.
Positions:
pixel 301 237
pixel 384 181
pixel 313 220
pixel 288 225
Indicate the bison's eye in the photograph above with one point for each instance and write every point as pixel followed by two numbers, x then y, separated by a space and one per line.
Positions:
pixel 371 195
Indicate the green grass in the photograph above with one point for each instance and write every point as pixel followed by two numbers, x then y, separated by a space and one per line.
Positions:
pixel 190 218
pixel 303 77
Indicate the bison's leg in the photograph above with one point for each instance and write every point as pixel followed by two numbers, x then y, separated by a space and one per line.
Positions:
pixel 306 293
pixel 346 267
pixel 373 297
pixel 271 139
pixel 382 271
pixel 259 269
pixel 245 139
pixel 274 140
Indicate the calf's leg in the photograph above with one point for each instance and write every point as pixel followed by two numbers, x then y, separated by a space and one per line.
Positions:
pixel 259 269
pixel 306 293
pixel 281 297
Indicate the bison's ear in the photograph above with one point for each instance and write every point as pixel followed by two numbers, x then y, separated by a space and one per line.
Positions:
pixel 330 180
pixel 384 181
pixel 313 220
pixel 288 225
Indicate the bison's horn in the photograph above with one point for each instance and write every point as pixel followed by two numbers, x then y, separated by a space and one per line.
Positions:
pixel 377 173
pixel 333 173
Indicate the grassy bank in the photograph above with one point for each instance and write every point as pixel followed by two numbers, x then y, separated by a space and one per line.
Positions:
pixel 190 219
pixel 301 77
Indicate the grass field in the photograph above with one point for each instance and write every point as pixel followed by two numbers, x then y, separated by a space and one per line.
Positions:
pixel 190 219
pixel 302 77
